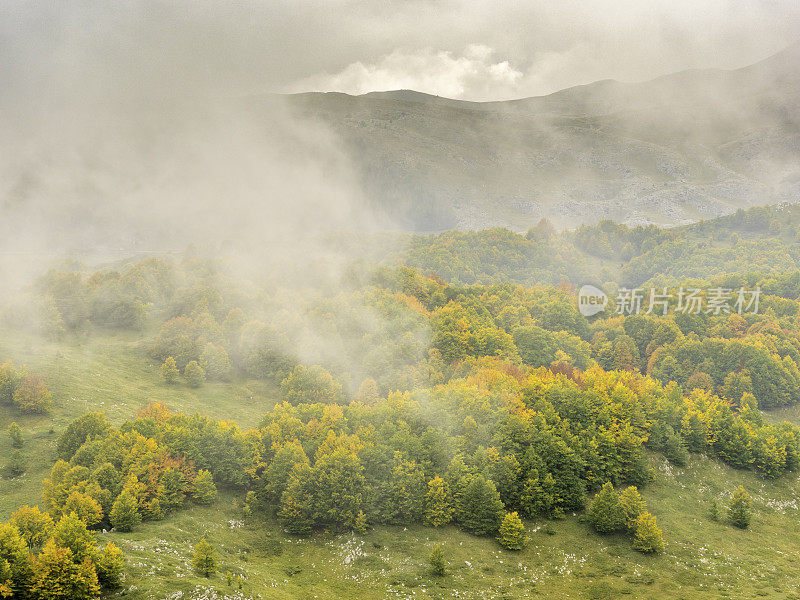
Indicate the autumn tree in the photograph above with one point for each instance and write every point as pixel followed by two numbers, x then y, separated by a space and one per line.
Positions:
pixel 367 392
pixel 512 532
pixel 632 504
pixel 60 576
pixel 34 526
pixel 647 536
pixel 169 370
pixel 16 572
pixel 32 396
pixel 109 564
pixel 438 503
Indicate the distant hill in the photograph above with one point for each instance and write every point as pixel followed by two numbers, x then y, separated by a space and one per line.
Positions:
pixel 684 147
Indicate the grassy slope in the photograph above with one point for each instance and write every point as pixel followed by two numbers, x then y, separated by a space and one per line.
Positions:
pixel 703 559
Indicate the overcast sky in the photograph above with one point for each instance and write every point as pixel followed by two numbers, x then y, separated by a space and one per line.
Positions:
pixel 479 50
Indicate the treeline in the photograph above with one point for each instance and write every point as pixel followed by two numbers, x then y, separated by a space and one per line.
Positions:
pixel 761 240
pixel 495 439
pixel 403 331
pixel 496 256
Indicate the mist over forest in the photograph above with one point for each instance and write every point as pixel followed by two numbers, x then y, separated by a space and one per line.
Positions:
pixel 404 299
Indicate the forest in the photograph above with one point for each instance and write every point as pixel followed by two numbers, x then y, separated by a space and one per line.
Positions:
pixel 403 398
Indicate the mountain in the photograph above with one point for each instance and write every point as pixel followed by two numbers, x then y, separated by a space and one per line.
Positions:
pixel 677 149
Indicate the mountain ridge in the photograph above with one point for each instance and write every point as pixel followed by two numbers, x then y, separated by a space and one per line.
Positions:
pixel 675 149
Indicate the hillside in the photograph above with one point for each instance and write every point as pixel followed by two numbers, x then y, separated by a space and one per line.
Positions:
pixel 680 148
pixel 703 559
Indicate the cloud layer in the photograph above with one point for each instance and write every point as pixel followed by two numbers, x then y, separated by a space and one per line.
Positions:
pixel 474 50
pixel 473 73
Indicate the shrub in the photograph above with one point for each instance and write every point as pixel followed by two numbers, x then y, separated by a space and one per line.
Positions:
pixel 15 433
pixel 15 466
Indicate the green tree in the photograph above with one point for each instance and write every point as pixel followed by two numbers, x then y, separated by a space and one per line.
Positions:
pixel 16 465
pixel 34 526
pixel 311 385
pixel 215 362
pixel 437 561
pixel 538 495
pixel 109 564
pixel 124 515
pixel 632 504
pixel 438 503
pixel 70 532
pixel 512 532
pixel 406 492
pixel 173 489
pixel 740 511
pixel 481 510
pixel 9 380
pixel 88 426
pixel 675 448
pixel 16 572
pixel 296 505
pixel 606 513
pixel 15 433
pixel 169 370
pixel 647 536
pixel 203 489
pixel 203 561
pixel 194 374
pixel 85 507
pixel 276 476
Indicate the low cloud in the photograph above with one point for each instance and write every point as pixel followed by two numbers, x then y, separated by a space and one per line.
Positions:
pixel 475 73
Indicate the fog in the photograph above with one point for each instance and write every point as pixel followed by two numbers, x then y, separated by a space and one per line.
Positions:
pixel 143 126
